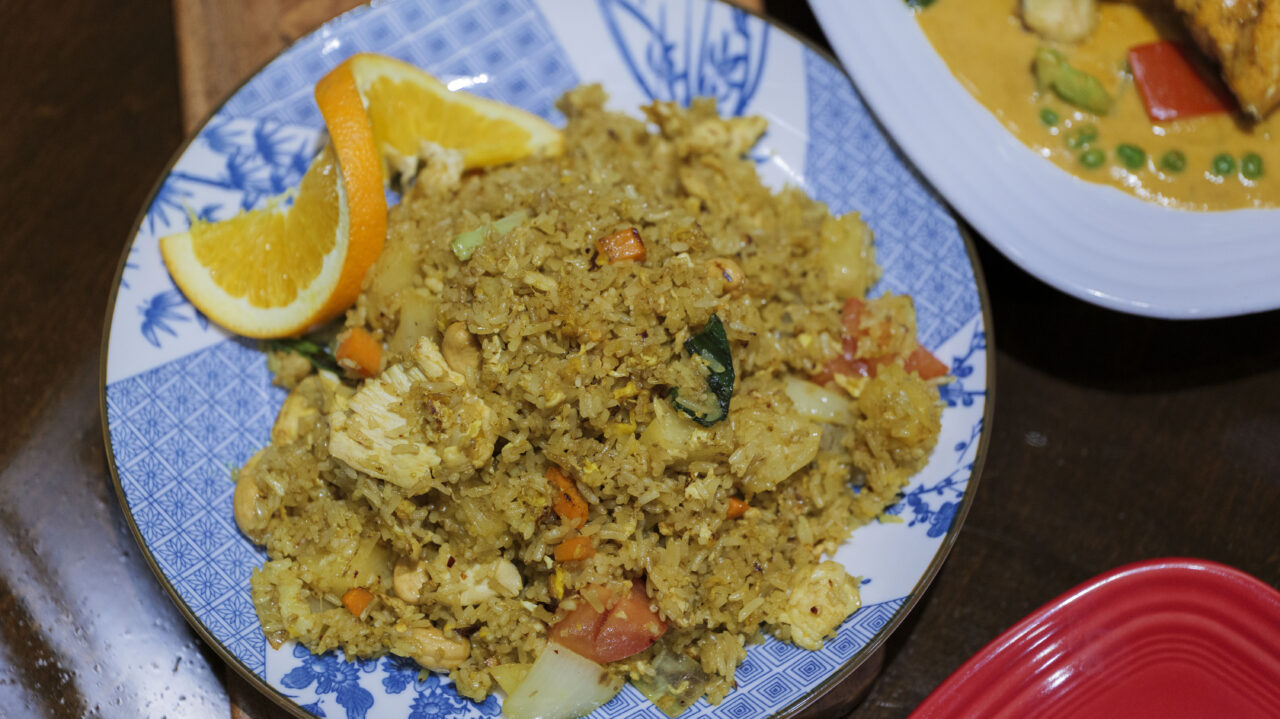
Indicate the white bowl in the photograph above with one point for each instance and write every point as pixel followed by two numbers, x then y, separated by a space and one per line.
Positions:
pixel 1089 240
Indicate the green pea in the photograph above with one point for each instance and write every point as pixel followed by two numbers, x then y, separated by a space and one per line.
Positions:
pixel 1082 137
pixel 1173 161
pixel 1049 117
pixel 1251 166
pixel 1093 159
pixel 1132 156
pixel 1223 164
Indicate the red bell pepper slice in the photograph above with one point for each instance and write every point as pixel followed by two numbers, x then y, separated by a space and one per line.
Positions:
pixel 1170 85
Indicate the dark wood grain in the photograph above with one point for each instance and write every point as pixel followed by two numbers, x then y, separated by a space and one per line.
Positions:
pixel 1115 438
pixel 91 116
pixel 221 42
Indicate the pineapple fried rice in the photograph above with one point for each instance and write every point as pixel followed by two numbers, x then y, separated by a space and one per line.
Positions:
pixel 629 398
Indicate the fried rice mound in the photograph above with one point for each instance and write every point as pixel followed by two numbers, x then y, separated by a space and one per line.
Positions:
pixel 435 486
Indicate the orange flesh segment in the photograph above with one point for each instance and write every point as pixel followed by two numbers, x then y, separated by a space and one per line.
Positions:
pixel 308 232
pixel 403 113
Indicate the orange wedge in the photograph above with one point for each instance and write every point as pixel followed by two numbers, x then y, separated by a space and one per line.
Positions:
pixel 407 106
pixel 275 271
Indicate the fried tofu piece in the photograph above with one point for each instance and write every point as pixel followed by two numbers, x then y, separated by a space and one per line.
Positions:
pixel 1244 37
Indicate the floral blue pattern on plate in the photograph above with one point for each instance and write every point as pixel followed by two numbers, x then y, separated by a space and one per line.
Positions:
pixel 185 403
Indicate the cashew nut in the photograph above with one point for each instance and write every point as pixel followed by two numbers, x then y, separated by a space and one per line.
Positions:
pixel 408 578
pixel 727 271
pixel 296 409
pixel 461 351
pixel 429 647
pixel 249 502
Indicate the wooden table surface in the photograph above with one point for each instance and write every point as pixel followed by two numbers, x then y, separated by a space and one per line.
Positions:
pixel 1115 438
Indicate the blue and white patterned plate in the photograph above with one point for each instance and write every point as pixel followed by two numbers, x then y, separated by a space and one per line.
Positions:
pixel 184 402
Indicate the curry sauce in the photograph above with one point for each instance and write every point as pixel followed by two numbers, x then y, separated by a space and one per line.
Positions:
pixel 1182 164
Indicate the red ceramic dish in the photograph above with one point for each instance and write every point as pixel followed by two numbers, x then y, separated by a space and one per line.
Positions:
pixel 1161 639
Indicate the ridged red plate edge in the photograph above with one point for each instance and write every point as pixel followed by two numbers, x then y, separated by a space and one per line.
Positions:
pixel 1159 639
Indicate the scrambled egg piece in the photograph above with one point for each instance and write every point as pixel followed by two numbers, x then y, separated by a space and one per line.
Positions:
pixel 820 603
pixel 416 425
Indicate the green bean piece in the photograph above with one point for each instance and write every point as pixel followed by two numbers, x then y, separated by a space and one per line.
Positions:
pixel 1251 166
pixel 1052 71
pixel 1093 159
pixel 1082 136
pixel 1173 161
pixel 1049 117
pixel 1223 164
pixel 464 245
pixel 1132 156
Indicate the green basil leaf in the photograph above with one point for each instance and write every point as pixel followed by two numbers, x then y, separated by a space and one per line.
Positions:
pixel 318 355
pixel 709 405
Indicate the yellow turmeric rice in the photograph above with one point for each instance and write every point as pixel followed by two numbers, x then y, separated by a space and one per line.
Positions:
pixel 629 368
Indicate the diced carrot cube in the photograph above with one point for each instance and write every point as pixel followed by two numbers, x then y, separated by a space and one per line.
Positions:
pixel 359 353
pixel 356 600
pixel 569 502
pixel 574 549
pixel 622 246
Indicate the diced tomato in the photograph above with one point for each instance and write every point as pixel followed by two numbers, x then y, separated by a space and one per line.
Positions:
pixel 846 366
pixel 1170 85
pixel 851 316
pixel 922 362
pixel 849 347
pixel 627 626
pixel 851 364
pixel 578 629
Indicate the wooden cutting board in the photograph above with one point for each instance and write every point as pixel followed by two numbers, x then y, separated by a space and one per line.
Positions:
pixel 221 43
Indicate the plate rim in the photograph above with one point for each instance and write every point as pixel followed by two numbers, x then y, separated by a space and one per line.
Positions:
pixel 810 697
